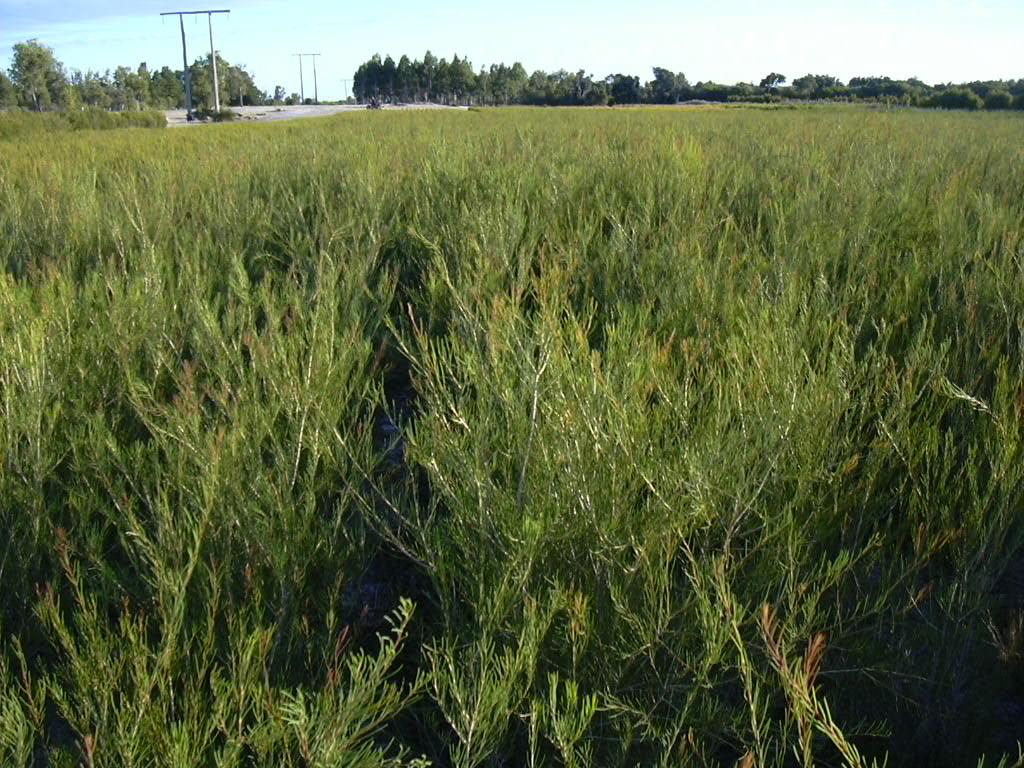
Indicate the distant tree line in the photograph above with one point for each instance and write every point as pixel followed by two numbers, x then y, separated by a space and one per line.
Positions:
pixel 456 82
pixel 38 81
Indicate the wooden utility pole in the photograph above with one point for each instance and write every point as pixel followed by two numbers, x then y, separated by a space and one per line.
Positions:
pixel 184 58
pixel 302 91
pixel 213 63
pixel 302 87
pixel 316 93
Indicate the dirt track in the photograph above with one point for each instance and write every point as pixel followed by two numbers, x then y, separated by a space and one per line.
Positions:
pixel 176 117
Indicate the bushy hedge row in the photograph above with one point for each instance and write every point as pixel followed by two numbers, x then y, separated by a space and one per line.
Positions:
pixel 16 123
pixel 224 115
pixel 97 119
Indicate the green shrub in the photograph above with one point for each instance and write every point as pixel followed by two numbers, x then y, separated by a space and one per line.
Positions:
pixel 957 98
pixel 695 436
pixel 998 99
pixel 225 115
pixel 94 120
pixel 145 119
pixel 19 124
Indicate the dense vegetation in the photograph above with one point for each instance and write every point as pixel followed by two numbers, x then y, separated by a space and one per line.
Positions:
pixel 14 124
pixel 558 438
pixel 455 82
pixel 39 81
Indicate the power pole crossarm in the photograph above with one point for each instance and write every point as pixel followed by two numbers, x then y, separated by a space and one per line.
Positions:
pixel 184 58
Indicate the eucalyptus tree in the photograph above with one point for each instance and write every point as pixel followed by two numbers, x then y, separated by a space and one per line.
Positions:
pixel 461 79
pixel 624 89
pixel 405 80
pixel 816 86
pixel 667 85
pixel 242 87
pixel 429 69
pixel 38 76
pixel 389 75
pixel 166 88
pixel 772 81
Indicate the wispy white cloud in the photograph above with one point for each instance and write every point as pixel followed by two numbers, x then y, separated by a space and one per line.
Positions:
pixel 40 13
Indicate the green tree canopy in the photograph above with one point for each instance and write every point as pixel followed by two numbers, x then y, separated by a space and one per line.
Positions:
pixel 624 89
pixel 667 86
pixel 405 79
pixel 234 83
pixel 8 95
pixel 880 88
pixel 816 86
pixel 957 98
pixel 242 89
pixel 454 81
pixel 38 76
pixel 772 81
pixel 167 88
pixel 998 98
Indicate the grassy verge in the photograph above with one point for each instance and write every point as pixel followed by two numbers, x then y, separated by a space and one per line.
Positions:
pixel 17 124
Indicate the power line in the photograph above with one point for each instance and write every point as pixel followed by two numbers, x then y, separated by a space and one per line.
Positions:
pixel 302 89
pixel 184 58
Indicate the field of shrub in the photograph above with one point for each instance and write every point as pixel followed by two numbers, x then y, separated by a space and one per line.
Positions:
pixel 515 438
pixel 16 124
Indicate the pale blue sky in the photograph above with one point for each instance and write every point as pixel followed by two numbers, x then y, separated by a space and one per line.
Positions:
pixel 935 40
